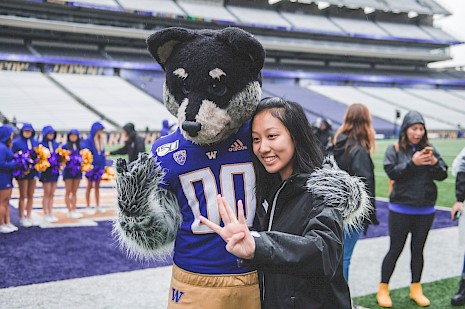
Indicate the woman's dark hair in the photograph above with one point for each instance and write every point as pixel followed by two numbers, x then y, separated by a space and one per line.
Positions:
pixel 70 143
pixel 404 143
pixel 9 142
pixel 307 153
pixel 45 139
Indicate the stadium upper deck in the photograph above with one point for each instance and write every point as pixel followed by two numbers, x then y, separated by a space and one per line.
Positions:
pixel 360 43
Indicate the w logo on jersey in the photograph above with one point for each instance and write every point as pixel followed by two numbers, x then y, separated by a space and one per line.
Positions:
pixel 237 146
pixel 176 295
pixel 180 157
pixel 211 154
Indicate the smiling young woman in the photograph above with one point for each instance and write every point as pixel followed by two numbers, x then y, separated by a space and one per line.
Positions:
pixel 297 244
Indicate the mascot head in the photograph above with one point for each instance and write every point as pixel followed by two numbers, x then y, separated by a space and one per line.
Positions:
pixel 213 79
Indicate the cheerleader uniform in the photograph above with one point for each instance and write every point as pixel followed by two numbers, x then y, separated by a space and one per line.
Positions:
pixel 98 152
pixel 51 174
pixel 24 144
pixel 74 149
pixel 7 164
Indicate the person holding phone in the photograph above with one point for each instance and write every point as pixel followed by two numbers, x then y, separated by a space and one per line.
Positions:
pixel 458 170
pixel 414 164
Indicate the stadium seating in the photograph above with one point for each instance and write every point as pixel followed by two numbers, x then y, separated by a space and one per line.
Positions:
pixel 430 110
pixel 13 46
pixel 117 99
pixel 359 26
pixel 60 50
pixel 384 102
pixel 32 97
pixel 258 17
pixel 207 11
pixel 314 23
pixel 408 5
pixel 404 30
pixel 444 99
pixel 158 7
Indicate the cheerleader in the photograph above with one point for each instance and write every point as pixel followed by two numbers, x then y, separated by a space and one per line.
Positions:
pixel 49 177
pixel 27 184
pixel 7 165
pixel 72 174
pixel 94 143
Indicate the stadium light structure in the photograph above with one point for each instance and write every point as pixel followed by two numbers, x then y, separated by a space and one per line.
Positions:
pixel 323 5
pixel 368 10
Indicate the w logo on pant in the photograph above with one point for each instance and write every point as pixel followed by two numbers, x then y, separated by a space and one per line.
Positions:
pixel 176 295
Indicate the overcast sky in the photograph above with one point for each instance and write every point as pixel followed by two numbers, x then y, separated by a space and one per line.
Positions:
pixel 455 25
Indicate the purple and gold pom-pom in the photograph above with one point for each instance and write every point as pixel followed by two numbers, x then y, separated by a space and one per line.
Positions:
pixel 108 173
pixel 43 154
pixel 25 162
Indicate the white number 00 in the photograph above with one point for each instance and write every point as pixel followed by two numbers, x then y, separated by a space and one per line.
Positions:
pixel 207 178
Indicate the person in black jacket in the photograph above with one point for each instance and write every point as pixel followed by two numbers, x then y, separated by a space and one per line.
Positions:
pixel 458 169
pixel 297 247
pixel 324 133
pixel 413 164
pixel 133 145
pixel 353 142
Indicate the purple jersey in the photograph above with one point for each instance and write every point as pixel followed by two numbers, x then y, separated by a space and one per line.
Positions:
pixel 197 174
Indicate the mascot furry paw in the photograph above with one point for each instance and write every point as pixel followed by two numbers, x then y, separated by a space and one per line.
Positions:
pixel 212 86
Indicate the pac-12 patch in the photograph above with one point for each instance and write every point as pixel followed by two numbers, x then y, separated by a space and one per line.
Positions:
pixel 180 157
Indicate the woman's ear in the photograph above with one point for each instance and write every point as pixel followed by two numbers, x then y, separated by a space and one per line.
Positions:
pixel 244 45
pixel 161 43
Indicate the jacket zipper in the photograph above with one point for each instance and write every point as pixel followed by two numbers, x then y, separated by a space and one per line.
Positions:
pixel 270 223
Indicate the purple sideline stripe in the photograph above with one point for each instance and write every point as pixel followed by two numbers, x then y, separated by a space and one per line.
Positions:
pixel 36 255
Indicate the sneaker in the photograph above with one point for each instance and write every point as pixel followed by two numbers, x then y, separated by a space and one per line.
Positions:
pixel 77 215
pixel 90 211
pixel 25 222
pixel 4 229
pixel 12 227
pixel 48 218
pixel 53 218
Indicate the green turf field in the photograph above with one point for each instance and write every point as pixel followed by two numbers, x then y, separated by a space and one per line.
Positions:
pixel 448 150
pixel 438 292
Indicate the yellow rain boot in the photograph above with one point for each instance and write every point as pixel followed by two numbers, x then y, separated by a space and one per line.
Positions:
pixel 416 293
pixel 383 298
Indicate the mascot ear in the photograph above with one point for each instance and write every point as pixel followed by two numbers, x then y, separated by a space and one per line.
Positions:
pixel 161 43
pixel 245 45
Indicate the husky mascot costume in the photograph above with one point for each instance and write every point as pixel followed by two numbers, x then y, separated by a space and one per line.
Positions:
pixel 212 86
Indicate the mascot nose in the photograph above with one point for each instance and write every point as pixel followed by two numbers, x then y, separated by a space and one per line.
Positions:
pixel 191 127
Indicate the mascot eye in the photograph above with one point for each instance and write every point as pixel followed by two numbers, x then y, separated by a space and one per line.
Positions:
pixel 185 89
pixel 217 89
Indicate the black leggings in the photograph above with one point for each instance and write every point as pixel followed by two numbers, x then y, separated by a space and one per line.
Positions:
pixel 399 227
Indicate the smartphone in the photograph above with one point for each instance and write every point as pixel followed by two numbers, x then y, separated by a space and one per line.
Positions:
pixel 428 150
pixel 457 215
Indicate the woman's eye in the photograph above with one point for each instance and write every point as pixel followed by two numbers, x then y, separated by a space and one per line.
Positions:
pixel 217 89
pixel 271 136
pixel 185 89
pixel 255 140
